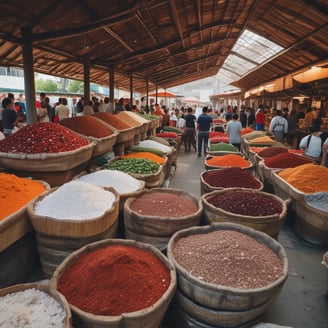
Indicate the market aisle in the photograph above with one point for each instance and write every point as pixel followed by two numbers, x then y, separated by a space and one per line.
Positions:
pixel 303 301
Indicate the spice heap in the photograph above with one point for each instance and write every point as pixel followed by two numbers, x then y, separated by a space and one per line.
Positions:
pixel 228 160
pixel 120 181
pixel 172 135
pixel 133 165
pixel 114 279
pixel 253 135
pixel 307 178
pixel 214 134
pixel 75 200
pixel 216 139
pixel 156 204
pixel 130 118
pixel 222 146
pixel 215 258
pixel 318 200
pixel 256 149
pixel 156 145
pixel 247 203
pixel 112 120
pixel 87 125
pixel 260 140
pixel 171 129
pixel 285 160
pixel 146 155
pixel 231 177
pixel 246 131
pixel 272 151
pixel 16 192
pixel 40 138
pixel 30 308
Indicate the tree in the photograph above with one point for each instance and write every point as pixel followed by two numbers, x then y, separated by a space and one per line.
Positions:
pixel 75 86
pixel 46 85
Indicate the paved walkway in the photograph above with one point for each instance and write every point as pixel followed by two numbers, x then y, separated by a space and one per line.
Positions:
pixel 303 301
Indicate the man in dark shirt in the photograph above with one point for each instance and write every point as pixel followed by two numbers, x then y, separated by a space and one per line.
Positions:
pixel 190 119
pixel 9 116
pixel 204 123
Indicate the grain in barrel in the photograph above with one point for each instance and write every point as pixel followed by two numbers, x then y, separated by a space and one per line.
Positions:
pixel 228 274
pixel 156 214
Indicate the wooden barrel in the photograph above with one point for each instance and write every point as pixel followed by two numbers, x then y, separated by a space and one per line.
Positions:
pixel 223 298
pixel 149 317
pixel 158 229
pixel 57 238
pixel 311 224
pixel 59 298
pixel 286 191
pixel 270 224
pixel 206 316
pixel 206 187
pixel 19 260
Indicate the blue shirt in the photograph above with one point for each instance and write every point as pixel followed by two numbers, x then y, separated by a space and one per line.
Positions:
pixel 204 122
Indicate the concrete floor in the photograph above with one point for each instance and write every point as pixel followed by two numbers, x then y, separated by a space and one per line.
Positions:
pixel 303 301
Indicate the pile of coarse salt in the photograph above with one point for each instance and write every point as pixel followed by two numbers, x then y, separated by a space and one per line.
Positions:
pixel 75 200
pixel 120 181
pixel 30 308
pixel 156 145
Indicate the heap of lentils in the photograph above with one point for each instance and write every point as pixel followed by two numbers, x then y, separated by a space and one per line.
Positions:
pixel 87 125
pixel 228 258
pixel 163 204
pixel 247 203
pixel 231 177
pixel 42 137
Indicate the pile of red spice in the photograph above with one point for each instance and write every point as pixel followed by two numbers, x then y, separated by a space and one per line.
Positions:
pixel 272 151
pixel 231 177
pixel 286 160
pixel 243 202
pixel 40 138
pixel 87 125
pixel 112 120
pixel 115 279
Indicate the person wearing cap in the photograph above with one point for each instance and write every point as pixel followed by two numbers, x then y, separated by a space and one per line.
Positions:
pixel 278 126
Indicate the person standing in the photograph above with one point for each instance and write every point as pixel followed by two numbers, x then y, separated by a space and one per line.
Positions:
pixel 62 110
pixel 204 123
pixel 234 128
pixel 190 134
pixel 278 126
pixel 9 116
pixel 260 119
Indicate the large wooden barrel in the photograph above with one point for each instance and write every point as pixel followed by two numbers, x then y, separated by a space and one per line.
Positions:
pixel 206 187
pixel 270 224
pixel 311 224
pixel 218 305
pixel 158 229
pixel 52 293
pixel 148 317
pixel 57 238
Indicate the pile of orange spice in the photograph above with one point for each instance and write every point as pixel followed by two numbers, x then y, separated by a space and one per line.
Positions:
pixel 16 192
pixel 307 178
pixel 146 155
pixel 231 160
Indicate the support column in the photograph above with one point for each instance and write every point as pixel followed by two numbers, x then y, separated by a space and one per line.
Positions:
pixel 86 68
pixel 111 86
pixel 131 88
pixel 29 81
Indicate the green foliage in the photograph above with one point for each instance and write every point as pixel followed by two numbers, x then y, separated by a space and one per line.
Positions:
pixel 46 85
pixel 75 86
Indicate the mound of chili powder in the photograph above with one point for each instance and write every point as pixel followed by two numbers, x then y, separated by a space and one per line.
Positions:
pixel 40 138
pixel 115 279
